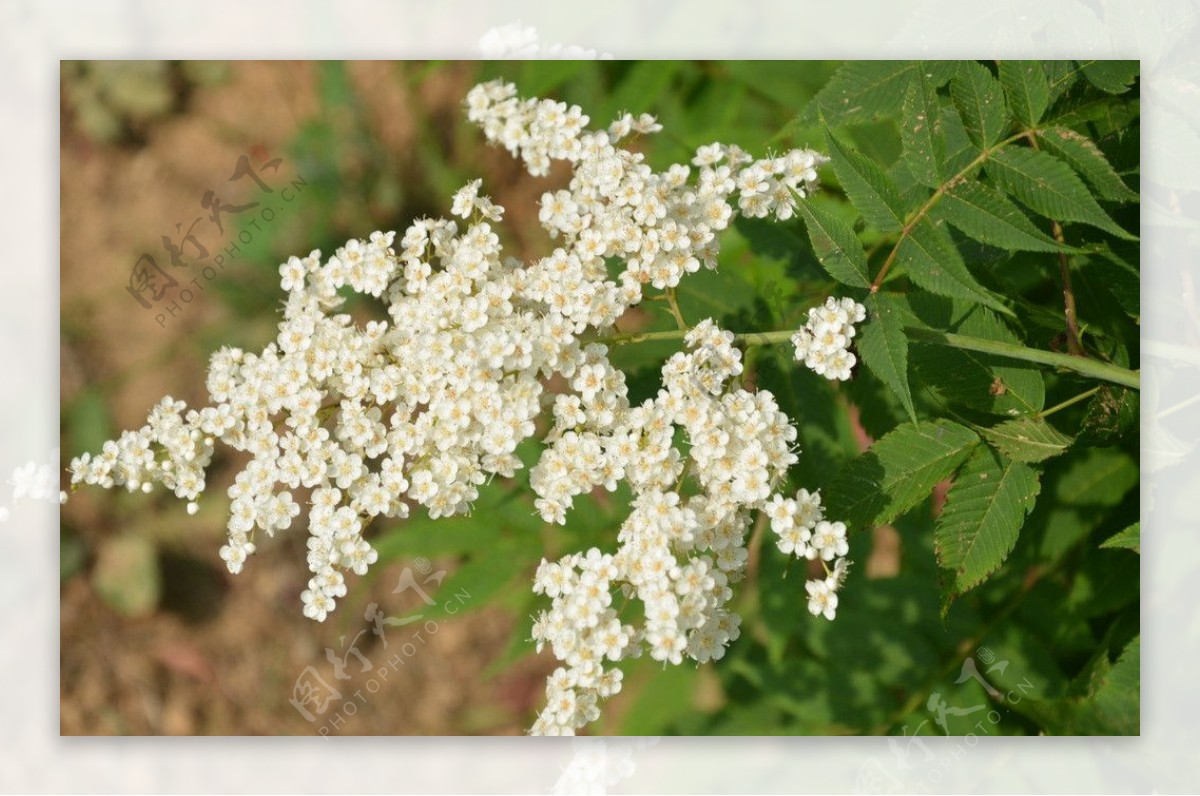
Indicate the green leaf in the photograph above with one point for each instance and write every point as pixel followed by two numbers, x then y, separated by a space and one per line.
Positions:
pixel 836 246
pixel 986 215
pixel 475 582
pixel 1119 279
pixel 714 294
pixel 89 420
pixel 979 525
pixel 898 472
pixel 541 77
pixel 860 91
pixel 1100 478
pixel 497 515
pixel 1027 89
pixel 1047 186
pixel 640 89
pixel 933 262
pixel 1027 439
pixel 1087 159
pixel 1112 77
pixel 884 347
pixel 961 377
pixel 1130 538
pixel 666 694
pixel 1061 75
pixel 776 239
pixel 1081 105
pixel 869 188
pixel 1111 416
pixel 921 132
pixel 980 102
pixel 960 152
pixel 1104 700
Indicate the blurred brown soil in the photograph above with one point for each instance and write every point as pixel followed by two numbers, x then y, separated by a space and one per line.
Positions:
pixel 220 654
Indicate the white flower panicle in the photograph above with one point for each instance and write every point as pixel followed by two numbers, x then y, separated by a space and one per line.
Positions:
pixel 421 409
pixel 823 343
pixel 678 555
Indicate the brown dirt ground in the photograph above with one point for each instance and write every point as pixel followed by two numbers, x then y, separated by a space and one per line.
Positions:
pixel 219 654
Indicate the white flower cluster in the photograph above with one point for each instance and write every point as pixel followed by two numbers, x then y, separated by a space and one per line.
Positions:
pixel 423 408
pixel 677 555
pixel 803 531
pixel 823 343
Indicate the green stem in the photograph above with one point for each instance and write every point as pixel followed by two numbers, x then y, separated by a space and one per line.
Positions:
pixel 750 338
pixel 1085 367
pixel 673 302
pixel 1069 402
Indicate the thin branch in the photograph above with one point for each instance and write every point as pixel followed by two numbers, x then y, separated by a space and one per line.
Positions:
pixel 933 200
pixel 1074 344
pixel 1081 365
pixel 1069 402
pixel 673 302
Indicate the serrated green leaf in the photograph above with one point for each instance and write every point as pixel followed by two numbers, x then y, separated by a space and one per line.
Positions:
pixel 921 135
pixel 979 525
pixel 860 91
pixel 1129 539
pixel 1113 77
pixel 1061 75
pixel 933 262
pixel 1120 279
pixel 980 103
pixel 869 188
pixel 1104 700
pixel 1081 105
pixel 1027 89
pixel 938 73
pixel 1047 186
pixel 1099 478
pixel 1087 159
pixel 898 472
pixel 883 347
pixel 986 215
pixel 960 377
pixel 960 152
pixel 1111 415
pixel 1027 439
pixel 837 247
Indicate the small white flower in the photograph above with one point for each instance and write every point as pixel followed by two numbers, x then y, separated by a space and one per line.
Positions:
pixel 821 599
